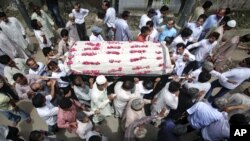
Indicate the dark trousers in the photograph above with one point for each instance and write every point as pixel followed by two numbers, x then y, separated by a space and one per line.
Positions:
pixel 13 134
pixel 55 13
pixel 81 29
pixel 222 91
pixel 191 67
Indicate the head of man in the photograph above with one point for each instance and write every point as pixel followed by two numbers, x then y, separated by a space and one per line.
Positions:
pixel 204 77
pixel 78 81
pixel 164 10
pixel 37 10
pixel 213 37
pixel 174 87
pixel 72 17
pixel 145 31
pixel 65 103
pixel 201 19
pixel 20 79
pixel 3 17
pixel 125 15
pixel 65 35
pixel 207 66
pixel 101 82
pixel 37 86
pixel 151 13
pixel 32 64
pixel 53 66
pixel 150 24
pixel 207 5
pixel 7 61
pixel 186 33
pixel 245 62
pixel 230 25
pixel 170 23
pixel 180 47
pixel 36 136
pixel 77 7
pixel 221 13
pixel 128 85
pixel 36 24
pixel 106 4
pixel 96 30
pixel 38 100
pixel 48 51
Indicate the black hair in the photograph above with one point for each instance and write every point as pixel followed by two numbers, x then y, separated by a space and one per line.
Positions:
pixel 181 45
pixel 52 64
pixel 46 51
pixel 238 119
pixel 216 35
pixel 95 138
pixel 228 11
pixel 164 8
pixel 204 77
pixel 5 59
pixel 186 32
pixel 202 16
pixel 29 59
pixel 34 24
pixel 37 100
pixel 174 86
pixel 2 14
pixel 144 29
pixel 76 4
pixel 125 14
pixel 247 61
pixel 150 23
pixel 7 90
pixel 225 19
pixel 207 4
pixel 64 33
pixel 35 135
pixel 107 3
pixel 148 84
pixel 17 75
pixel 245 38
pixel 65 103
pixel 128 85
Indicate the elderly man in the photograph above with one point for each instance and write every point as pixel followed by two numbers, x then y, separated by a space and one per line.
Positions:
pixel 37 68
pixel 71 27
pixel 125 91
pixel 168 30
pixel 12 67
pixel 122 31
pixel 23 84
pixel 96 34
pixel 99 97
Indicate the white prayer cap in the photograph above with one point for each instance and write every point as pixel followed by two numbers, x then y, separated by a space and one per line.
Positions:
pixel 71 15
pixel 231 23
pixel 101 79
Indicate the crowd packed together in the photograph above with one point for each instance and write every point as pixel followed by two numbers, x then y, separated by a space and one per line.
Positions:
pixel 176 103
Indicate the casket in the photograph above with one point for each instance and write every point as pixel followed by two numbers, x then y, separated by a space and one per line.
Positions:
pixel 119 58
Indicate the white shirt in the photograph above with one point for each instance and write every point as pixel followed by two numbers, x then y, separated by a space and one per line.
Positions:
pixel 195 74
pixel 92 37
pixel 123 32
pixel 40 71
pixel 63 72
pixel 39 36
pixel 92 133
pixel 79 16
pixel 165 99
pixel 201 86
pixel 157 19
pixel 82 93
pixel 83 128
pixel 154 36
pixel 144 19
pixel 205 49
pixel 196 31
pixel 238 75
pixel 177 40
pixel 110 17
pixel 48 112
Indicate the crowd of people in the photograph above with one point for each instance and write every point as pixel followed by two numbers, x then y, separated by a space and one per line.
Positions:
pixel 176 103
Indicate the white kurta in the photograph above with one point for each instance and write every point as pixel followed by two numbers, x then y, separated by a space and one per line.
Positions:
pixel 83 128
pixel 99 100
pixel 46 22
pixel 14 30
pixel 144 19
pixel 122 98
pixel 10 48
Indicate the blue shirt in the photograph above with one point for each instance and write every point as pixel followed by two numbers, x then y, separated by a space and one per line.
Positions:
pixel 167 33
pixel 212 21
pixel 166 131
pixel 202 114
